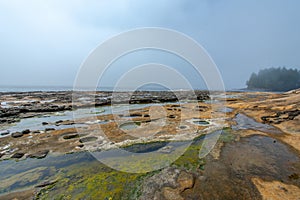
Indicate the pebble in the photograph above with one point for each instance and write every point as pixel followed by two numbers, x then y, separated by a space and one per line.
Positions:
pixel 16 135
pixel 18 155
pixel 39 155
pixel 49 129
pixel 26 131
pixel 6 132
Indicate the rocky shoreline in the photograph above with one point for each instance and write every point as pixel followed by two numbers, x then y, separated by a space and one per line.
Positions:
pixel 17 105
pixel 256 157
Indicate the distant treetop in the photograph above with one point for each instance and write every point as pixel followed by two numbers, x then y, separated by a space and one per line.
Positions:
pixel 275 79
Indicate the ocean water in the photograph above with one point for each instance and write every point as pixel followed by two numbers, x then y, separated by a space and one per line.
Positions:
pixel 32 89
pixel 70 88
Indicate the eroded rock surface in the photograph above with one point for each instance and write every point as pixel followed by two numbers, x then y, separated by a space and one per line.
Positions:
pixel 257 156
pixel 169 184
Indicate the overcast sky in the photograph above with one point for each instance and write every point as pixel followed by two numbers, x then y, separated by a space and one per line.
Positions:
pixel 43 43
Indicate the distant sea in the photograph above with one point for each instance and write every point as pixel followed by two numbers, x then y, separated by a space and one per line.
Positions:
pixel 32 89
pixel 64 88
pixel 46 88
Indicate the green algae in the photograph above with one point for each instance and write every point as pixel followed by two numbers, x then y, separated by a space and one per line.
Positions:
pixel 113 182
pixel 94 180
pixel 227 135
pixel 25 179
pixel 191 159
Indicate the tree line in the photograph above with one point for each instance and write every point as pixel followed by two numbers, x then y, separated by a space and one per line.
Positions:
pixel 275 79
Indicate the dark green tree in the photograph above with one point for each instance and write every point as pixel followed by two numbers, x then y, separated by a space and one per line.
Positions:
pixel 275 79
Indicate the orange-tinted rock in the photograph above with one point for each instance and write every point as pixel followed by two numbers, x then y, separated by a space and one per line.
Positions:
pixel 185 181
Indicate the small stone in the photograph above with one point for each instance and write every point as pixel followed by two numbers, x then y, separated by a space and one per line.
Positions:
pixel 16 135
pixel 39 154
pixel 26 131
pixel 45 123
pixel 185 181
pixel 71 136
pixel 4 132
pixel 88 139
pixel 36 131
pixel 49 129
pixel 18 155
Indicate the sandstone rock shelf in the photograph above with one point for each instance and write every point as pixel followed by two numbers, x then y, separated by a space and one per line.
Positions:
pixel 257 154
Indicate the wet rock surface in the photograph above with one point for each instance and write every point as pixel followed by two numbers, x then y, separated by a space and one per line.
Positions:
pixel 281 116
pixel 46 183
pixel 256 158
pixel 231 176
pixel 168 185
pixel 5 132
pixel 16 105
pixel 39 155
pixel 18 155
pixel 17 134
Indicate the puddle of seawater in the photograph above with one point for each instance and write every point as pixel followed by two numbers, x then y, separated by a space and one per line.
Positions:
pixel 129 126
pixel 229 177
pixel 244 122
pixel 12 172
pixel 225 110
pixel 35 123
pixel 201 122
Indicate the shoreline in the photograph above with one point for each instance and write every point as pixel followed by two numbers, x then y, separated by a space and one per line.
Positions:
pixel 263 126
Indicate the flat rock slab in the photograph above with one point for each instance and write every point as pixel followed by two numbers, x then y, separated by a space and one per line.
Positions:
pixel 39 154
